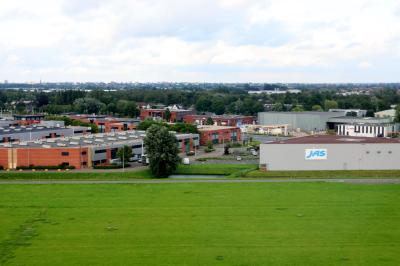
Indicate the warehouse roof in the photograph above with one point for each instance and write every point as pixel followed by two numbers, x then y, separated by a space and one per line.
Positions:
pixel 213 128
pixel 93 140
pixel 359 120
pixel 334 139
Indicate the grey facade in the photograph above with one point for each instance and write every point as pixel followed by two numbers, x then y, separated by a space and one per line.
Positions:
pixel 304 121
pixel 346 156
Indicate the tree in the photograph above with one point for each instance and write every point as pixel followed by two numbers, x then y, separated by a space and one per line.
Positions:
pixel 88 105
pixel 167 115
pixel 41 99
pixel 209 121
pixel 397 115
pixel 161 150
pixel 298 108
pixel 317 108
pixel 330 104
pixel 124 153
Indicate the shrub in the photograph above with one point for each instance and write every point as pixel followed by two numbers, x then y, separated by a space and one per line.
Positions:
pixel 208 150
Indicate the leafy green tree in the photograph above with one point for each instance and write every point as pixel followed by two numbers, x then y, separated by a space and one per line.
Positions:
pixel 42 99
pixel 124 153
pixel 88 105
pixel 330 104
pixel 298 108
pixel 317 108
pixel 161 150
pixel 209 121
pixel 218 106
pixel 167 115
pixel 397 116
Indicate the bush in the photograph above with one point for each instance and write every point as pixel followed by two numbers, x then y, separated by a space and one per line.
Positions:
pixel 43 167
pixel 208 150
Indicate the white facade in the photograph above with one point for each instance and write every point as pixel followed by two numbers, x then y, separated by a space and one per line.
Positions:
pixel 365 130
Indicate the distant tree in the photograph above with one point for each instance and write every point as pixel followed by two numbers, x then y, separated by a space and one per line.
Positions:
pixel 218 106
pixel 124 153
pixel 203 104
pixel 209 121
pixel 298 108
pixel 161 150
pixel 167 115
pixel 42 99
pixel 330 104
pixel 317 108
pixel 131 109
pixel 183 128
pixel 397 116
pixel 88 105
pixel 145 124
pixel 278 107
pixel 111 108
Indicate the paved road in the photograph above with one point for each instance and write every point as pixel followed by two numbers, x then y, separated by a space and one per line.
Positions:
pixel 174 181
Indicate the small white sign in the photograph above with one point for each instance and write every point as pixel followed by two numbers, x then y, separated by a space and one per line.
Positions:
pixel 316 154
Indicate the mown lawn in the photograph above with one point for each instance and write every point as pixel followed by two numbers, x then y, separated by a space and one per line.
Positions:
pixel 214 169
pixel 325 174
pixel 94 175
pixel 200 224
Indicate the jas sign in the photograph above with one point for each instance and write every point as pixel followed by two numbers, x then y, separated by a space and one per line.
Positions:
pixel 316 154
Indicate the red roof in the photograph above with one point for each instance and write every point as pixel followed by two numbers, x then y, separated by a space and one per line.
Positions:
pixel 332 139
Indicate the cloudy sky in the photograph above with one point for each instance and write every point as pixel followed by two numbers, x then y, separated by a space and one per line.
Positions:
pixel 200 40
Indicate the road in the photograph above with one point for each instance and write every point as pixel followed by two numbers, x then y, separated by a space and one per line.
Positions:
pixel 175 181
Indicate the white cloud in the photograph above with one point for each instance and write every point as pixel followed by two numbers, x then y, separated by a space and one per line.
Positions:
pixel 235 40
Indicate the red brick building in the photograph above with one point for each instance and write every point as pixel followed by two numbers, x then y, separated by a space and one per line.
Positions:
pixel 177 114
pixel 219 134
pixel 108 124
pixel 80 151
pixel 220 120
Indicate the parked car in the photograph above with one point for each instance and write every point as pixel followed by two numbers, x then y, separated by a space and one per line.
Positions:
pixel 134 158
pixel 186 161
pixel 238 158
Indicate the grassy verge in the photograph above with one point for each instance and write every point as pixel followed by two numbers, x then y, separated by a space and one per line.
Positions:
pixel 214 169
pixel 76 175
pixel 303 224
pixel 324 174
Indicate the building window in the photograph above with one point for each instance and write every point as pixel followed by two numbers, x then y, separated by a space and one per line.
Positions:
pixel 100 151
pixel 378 152
pixel 367 152
pixel 64 153
pixel 84 163
pixel 390 152
pixel 84 153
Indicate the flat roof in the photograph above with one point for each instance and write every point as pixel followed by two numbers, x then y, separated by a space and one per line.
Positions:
pixel 100 140
pixel 335 139
pixel 32 128
pixel 212 127
pixel 359 120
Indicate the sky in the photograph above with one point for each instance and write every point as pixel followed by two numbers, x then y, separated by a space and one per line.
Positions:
pixel 270 41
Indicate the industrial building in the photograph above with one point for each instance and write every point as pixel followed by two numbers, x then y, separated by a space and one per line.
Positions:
pixel 80 151
pixel 177 113
pixel 35 132
pixel 272 130
pixel 351 112
pixel 108 124
pixel 331 152
pixel 363 126
pixel 219 120
pixel 219 134
pixel 299 121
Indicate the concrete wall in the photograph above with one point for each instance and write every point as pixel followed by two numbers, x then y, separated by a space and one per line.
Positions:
pixel 339 156
pixel 306 121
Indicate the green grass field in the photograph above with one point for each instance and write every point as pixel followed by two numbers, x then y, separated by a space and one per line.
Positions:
pixel 200 224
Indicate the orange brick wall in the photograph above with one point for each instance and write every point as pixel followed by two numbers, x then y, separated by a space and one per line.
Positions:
pixel 51 157
pixel 224 135
pixel 4 158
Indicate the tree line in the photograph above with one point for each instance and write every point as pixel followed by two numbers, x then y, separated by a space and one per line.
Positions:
pixel 125 102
